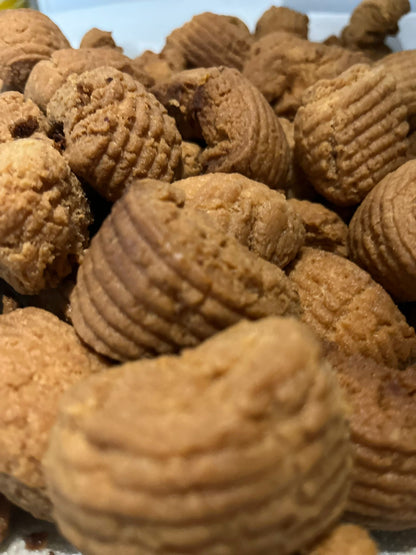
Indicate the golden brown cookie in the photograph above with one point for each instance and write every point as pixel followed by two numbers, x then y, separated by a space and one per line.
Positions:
pixel 382 233
pixel 282 19
pixel 383 433
pixel 373 20
pixel 41 357
pixel 342 303
pixel 191 164
pixel 345 539
pixel 207 40
pixel 97 38
pixel 115 131
pixel 237 446
pixel 223 109
pixel 324 228
pixel 402 65
pixel 260 218
pixel 26 37
pixel 44 218
pixel 47 76
pixel 20 117
pixel 350 132
pixel 282 66
pixel 159 277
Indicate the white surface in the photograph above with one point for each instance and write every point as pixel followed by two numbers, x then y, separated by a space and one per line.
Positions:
pixel 143 24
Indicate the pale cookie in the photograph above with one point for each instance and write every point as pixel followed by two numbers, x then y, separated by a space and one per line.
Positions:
pixel 237 446
pixel 40 358
pixel 350 132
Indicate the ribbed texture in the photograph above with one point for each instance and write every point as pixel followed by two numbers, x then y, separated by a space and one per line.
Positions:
pixel 158 277
pixel 382 233
pixel 344 305
pixel 260 218
pixel 48 75
pixel 402 66
pixel 237 446
pixel 208 40
pixel 282 66
pixel 350 133
pixel 222 108
pixel 115 131
pixel 324 229
pixel 383 433
pixel 26 37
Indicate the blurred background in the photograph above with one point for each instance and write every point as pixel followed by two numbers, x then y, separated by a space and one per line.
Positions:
pixel 138 25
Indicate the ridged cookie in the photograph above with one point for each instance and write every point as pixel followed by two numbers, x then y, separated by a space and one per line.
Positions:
pixel 159 277
pixel 237 446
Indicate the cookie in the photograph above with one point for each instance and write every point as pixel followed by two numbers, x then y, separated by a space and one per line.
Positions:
pixel 137 462
pixel 350 132
pixel 41 357
pixel 224 110
pixel 159 277
pixel 115 131
pixel 344 305
pixel 45 216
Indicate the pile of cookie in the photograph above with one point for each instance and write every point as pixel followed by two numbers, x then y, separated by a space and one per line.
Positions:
pixel 208 265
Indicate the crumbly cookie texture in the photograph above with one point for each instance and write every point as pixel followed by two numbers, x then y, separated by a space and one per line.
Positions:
pixel 282 19
pixel 324 229
pixel 138 449
pixel 382 233
pixel 383 423
pixel 282 66
pixel 20 117
pixel 223 109
pixel 159 277
pixel 41 357
pixel 115 131
pixel 350 132
pixel 260 218
pixel 26 37
pixel 373 20
pixel 402 65
pixel 48 75
pixel 44 219
pixel 345 539
pixel 207 40
pixel 97 38
pixel 343 304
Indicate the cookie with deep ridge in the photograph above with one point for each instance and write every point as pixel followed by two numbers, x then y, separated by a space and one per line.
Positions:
pixel 159 276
